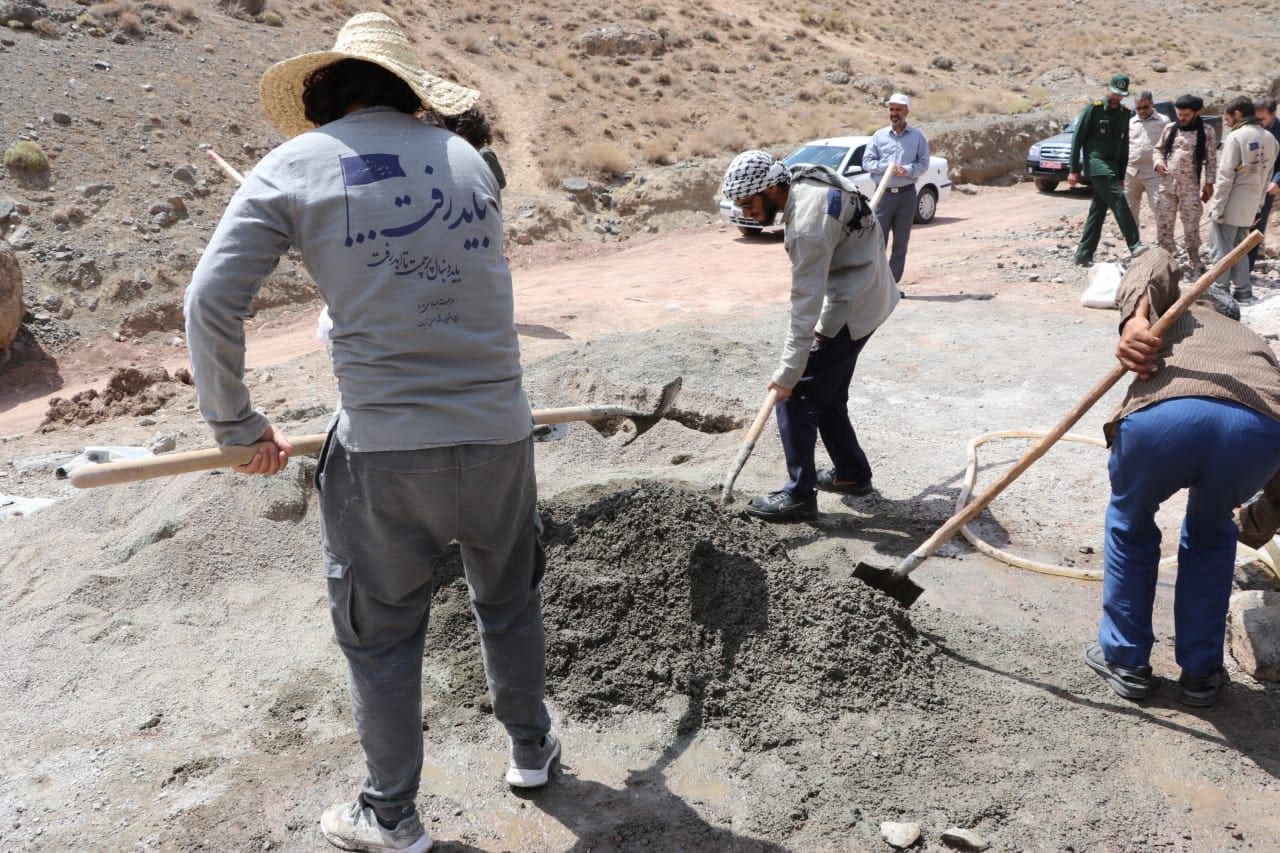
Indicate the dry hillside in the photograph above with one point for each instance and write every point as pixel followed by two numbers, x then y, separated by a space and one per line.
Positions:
pixel 644 99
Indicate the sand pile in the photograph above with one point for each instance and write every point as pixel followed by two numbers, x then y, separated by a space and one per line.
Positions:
pixel 653 591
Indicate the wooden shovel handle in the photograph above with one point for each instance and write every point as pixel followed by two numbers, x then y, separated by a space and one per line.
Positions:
pixel 969 512
pixel 748 444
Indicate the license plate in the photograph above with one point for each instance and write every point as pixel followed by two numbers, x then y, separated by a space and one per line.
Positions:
pixel 1049 164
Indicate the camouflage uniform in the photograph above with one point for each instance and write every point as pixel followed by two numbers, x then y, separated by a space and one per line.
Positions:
pixel 1182 186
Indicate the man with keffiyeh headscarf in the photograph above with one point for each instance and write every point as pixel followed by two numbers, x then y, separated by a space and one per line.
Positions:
pixel 841 292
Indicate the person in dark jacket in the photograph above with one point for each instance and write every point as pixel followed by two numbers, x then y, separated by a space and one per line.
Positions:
pixel 1101 144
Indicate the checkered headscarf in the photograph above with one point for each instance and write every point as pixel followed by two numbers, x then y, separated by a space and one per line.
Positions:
pixel 752 172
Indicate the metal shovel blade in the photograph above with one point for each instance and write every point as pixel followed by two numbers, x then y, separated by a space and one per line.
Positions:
pixel 901 588
pixel 666 399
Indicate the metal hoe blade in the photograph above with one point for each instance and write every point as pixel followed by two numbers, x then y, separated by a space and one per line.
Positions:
pixel 897 585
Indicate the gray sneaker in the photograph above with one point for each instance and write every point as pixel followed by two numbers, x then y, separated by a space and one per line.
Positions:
pixel 531 763
pixel 352 826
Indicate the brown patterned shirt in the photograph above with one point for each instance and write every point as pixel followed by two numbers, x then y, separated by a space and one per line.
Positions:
pixel 1205 354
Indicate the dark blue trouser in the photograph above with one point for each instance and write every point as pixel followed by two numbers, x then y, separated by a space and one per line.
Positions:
pixel 896 212
pixel 1223 453
pixel 819 405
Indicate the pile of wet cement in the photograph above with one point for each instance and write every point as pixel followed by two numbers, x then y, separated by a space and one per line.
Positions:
pixel 653 590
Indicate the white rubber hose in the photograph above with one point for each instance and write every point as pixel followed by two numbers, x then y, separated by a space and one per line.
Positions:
pixel 966 491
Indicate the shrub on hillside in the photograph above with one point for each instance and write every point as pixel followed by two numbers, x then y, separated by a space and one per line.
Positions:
pixel 26 156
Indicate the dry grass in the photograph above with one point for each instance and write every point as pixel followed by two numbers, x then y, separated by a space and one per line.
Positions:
pixel 26 156
pixel 602 157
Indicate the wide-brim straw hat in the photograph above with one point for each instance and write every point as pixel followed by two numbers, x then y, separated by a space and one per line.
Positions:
pixel 373 37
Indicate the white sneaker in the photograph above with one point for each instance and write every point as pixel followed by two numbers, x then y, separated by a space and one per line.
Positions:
pixel 531 765
pixel 350 826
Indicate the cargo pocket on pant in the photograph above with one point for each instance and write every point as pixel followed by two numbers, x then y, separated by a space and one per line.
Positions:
pixel 341 598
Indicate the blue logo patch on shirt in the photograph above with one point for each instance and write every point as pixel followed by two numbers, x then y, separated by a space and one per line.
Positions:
pixel 361 169
pixel 835 203
pixel 1254 146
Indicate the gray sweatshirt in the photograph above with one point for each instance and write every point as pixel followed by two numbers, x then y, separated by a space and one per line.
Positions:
pixel 398 224
pixel 839 275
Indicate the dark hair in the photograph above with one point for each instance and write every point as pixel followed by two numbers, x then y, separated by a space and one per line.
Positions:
pixel 1241 105
pixel 1144 96
pixel 1189 102
pixel 1268 104
pixel 328 93
pixel 471 126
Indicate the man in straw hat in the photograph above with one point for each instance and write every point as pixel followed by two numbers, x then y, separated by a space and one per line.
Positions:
pixel 398 222
pixel 841 292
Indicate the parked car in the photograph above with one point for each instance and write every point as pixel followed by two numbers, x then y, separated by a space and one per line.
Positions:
pixel 1047 160
pixel 844 155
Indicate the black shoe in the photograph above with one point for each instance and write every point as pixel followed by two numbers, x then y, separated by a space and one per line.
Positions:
pixel 1083 262
pixel 1201 692
pixel 1243 295
pixel 1128 682
pixel 781 506
pixel 827 482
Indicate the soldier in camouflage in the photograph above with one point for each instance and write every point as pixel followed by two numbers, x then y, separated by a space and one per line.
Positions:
pixel 1187 157
pixel 1101 145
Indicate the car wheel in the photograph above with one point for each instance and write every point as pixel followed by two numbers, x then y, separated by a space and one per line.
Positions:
pixel 750 232
pixel 1046 185
pixel 926 205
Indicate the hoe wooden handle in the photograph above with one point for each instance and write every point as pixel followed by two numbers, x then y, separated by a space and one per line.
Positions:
pixel 1167 319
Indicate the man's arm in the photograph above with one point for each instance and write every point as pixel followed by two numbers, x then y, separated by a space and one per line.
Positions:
pixel 871 155
pixel 810 266
pixel 1162 165
pixel 1210 161
pixel 920 164
pixel 246 246
pixel 1077 144
pixel 1227 165
pixel 1122 151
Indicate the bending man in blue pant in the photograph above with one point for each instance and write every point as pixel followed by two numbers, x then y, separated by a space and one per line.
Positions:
pixel 1203 414
pixel 841 291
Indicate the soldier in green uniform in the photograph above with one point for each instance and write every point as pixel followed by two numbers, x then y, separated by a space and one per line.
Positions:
pixel 1101 143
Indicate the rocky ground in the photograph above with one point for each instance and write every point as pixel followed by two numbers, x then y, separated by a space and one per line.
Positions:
pixel 719 684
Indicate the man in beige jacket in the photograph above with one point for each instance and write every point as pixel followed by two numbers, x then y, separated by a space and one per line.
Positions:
pixel 1145 129
pixel 1244 170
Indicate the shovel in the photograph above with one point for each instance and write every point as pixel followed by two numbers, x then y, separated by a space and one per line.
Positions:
pixel 771 399
pixel 168 464
pixel 897 582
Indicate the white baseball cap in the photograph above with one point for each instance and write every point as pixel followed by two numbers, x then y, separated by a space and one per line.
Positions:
pixel 899 98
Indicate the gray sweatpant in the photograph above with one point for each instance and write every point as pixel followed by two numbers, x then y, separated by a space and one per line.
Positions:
pixel 1222 239
pixel 385 518
pixel 896 212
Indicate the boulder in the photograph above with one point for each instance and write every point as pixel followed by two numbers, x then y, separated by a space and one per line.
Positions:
pixel 10 299
pixel 26 12
pixel 1253 633
pixel 621 40
pixel 900 835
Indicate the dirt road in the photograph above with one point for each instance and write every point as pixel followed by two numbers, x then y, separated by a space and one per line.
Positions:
pixel 173 684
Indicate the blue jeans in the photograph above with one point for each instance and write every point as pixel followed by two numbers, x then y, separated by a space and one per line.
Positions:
pixel 819 404
pixel 1222 453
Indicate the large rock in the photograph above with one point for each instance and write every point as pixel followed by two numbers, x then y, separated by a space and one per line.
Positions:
pixel 10 299
pixel 25 11
pixel 1253 633
pixel 621 40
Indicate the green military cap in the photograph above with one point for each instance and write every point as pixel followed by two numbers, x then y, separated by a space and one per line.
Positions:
pixel 1120 84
